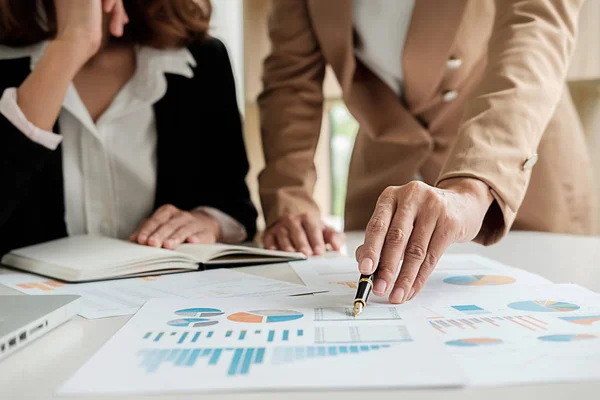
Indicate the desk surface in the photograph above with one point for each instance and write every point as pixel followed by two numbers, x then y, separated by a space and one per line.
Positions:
pixel 36 371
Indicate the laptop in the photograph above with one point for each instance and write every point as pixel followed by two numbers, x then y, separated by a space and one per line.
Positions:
pixel 26 318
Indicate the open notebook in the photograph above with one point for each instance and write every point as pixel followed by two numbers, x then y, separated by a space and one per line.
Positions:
pixel 88 258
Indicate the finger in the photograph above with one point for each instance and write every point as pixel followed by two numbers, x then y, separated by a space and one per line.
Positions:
pixel 269 241
pixel 109 5
pixel 283 240
pixel 165 230
pixel 441 239
pixel 333 238
pixel 162 215
pixel 181 234
pixel 202 237
pixel 375 232
pixel 299 238
pixel 314 232
pixel 118 19
pixel 414 256
pixel 392 250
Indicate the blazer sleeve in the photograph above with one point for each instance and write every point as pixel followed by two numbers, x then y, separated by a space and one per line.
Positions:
pixel 226 189
pixel 291 109
pixel 21 159
pixel 529 53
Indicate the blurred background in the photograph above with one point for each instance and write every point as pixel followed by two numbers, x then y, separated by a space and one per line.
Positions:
pixel 242 25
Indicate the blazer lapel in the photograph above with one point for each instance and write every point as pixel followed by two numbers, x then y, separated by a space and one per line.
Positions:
pixel 430 37
pixel 332 22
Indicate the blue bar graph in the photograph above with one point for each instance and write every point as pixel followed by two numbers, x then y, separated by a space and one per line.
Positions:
pixel 241 362
pixel 283 355
pixel 257 336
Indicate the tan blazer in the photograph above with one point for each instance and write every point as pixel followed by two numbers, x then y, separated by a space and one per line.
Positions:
pixel 491 118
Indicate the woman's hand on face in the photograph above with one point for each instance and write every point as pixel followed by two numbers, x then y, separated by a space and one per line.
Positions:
pixel 415 224
pixel 82 22
pixel 304 233
pixel 169 227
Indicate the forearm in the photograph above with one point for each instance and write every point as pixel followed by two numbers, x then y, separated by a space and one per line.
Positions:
pixel 41 95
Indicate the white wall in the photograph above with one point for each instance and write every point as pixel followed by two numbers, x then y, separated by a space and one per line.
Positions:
pixel 227 24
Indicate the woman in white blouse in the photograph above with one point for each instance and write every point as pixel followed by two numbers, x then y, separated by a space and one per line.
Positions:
pixel 118 118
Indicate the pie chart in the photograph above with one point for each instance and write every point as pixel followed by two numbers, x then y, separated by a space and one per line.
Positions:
pixel 474 342
pixel 199 312
pixel 582 320
pixel 567 338
pixel 192 322
pixel 543 306
pixel 480 280
pixel 265 316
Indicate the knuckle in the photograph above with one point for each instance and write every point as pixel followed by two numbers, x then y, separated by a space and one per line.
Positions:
pixel 420 281
pixel 430 261
pixel 395 236
pixel 377 225
pixel 404 282
pixel 415 251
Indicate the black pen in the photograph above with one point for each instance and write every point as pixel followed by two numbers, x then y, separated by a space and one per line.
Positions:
pixel 365 284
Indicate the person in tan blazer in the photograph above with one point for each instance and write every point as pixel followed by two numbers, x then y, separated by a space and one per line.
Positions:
pixel 477 100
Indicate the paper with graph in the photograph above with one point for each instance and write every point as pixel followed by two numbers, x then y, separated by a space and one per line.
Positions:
pixel 125 296
pixel 205 345
pixel 454 273
pixel 547 333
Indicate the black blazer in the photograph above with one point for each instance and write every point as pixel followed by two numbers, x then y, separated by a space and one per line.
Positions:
pixel 201 155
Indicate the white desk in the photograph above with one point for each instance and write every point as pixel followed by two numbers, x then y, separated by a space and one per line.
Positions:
pixel 38 369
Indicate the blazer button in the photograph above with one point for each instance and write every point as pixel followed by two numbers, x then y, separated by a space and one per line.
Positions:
pixel 454 63
pixel 530 162
pixel 450 95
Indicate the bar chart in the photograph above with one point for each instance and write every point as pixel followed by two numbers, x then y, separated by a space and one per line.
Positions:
pixel 526 322
pixel 207 336
pixel 240 359
pixel 284 355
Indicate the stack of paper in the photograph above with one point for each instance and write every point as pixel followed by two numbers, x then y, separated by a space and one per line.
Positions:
pixel 126 296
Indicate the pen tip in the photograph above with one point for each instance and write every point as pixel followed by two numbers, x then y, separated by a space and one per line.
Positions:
pixel 358 307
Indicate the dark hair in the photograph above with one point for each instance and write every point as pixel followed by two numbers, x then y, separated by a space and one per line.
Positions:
pixel 157 23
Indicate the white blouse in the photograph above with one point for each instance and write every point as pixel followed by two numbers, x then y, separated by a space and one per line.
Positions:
pixel 109 167
pixel 382 26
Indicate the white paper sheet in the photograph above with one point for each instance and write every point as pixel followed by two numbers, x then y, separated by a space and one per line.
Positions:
pixel 454 273
pixel 206 345
pixel 521 334
pixel 126 296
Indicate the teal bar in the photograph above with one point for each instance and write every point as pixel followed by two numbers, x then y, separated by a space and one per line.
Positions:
pixel 147 335
pixel 271 336
pixel 242 335
pixel 257 332
pixel 182 338
pixel 286 335
pixel 235 362
pixel 321 351
pixel 210 334
pixel 300 332
pixel 353 349
pixel 192 358
pixel 247 361
pixel 160 335
pixel 173 355
pixel 214 359
pixel 228 334
pixel 343 350
pixel 196 336
pixel 182 357
pixel 260 355
pixel 332 351
pixel 364 348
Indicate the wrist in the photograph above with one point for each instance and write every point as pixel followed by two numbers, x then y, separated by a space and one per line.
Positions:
pixel 472 187
pixel 72 53
pixel 213 223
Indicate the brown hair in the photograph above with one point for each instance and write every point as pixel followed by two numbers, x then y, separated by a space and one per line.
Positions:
pixel 157 23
